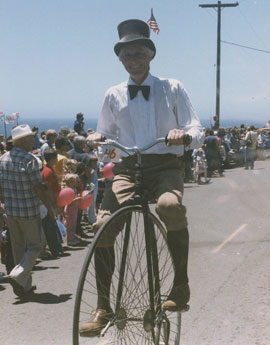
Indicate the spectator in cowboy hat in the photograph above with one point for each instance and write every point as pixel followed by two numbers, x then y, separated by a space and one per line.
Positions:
pixel 22 189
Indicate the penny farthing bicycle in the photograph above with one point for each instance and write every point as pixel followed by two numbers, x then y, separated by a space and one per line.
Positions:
pixel 142 278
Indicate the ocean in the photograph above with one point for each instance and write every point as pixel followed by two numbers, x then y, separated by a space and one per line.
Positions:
pixel 48 123
pixel 56 123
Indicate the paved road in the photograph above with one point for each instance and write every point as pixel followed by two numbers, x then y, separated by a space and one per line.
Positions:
pixel 229 272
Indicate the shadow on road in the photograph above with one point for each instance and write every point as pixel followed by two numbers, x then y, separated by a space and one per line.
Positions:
pixel 63 255
pixel 73 249
pixel 191 186
pixel 44 298
pixel 43 268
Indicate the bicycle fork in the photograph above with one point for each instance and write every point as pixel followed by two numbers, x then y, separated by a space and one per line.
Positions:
pixel 151 318
pixel 120 313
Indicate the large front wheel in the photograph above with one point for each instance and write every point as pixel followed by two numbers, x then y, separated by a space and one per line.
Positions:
pixel 133 322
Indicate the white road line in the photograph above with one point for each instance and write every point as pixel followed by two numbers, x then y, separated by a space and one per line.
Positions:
pixel 237 231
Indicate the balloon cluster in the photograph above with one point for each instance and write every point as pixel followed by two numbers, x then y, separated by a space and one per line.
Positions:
pixel 67 195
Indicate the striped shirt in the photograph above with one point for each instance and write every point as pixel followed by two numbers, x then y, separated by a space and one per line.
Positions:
pixel 19 172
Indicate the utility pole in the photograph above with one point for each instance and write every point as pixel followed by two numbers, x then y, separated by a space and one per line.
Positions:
pixel 219 6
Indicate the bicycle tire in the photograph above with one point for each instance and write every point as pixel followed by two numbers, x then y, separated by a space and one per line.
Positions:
pixel 131 326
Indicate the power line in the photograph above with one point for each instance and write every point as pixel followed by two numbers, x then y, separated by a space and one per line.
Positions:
pixel 250 25
pixel 240 45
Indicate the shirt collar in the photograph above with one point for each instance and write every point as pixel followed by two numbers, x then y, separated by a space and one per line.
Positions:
pixel 147 81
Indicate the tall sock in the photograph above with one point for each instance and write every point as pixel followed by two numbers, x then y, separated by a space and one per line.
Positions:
pixel 104 265
pixel 178 243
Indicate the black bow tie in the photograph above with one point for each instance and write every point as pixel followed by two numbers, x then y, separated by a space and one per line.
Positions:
pixel 133 90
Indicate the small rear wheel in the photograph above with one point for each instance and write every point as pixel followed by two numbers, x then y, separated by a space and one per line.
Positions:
pixel 133 322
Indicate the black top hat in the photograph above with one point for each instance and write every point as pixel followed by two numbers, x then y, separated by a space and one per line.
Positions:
pixel 134 30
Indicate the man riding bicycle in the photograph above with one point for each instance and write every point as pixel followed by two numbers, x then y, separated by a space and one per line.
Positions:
pixel 135 113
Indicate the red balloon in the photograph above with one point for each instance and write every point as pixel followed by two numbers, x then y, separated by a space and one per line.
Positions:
pixel 107 170
pixel 65 197
pixel 86 201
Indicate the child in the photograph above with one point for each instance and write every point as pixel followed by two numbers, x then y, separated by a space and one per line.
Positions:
pixel 200 166
pixel 50 177
pixel 71 210
pixel 70 166
pixel 93 166
pixel 84 175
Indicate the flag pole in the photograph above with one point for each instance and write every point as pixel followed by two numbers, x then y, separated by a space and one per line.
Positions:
pixel 17 114
pixel 5 127
pixel 153 23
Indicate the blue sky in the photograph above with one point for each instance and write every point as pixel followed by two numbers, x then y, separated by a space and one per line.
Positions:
pixel 57 55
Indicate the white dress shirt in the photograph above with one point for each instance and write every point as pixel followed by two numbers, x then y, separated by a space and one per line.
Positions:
pixel 138 122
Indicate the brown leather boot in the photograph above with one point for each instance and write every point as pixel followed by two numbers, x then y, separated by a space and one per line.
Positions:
pixel 96 323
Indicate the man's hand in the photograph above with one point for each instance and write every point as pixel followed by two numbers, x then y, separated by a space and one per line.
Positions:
pixel 93 138
pixel 41 193
pixel 77 199
pixel 177 137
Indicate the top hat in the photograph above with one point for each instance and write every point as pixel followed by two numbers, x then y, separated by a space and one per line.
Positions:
pixel 21 131
pixel 134 31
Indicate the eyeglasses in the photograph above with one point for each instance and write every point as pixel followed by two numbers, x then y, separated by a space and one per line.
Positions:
pixel 129 57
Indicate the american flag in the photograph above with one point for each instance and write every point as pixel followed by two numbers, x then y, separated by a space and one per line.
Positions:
pixel 152 23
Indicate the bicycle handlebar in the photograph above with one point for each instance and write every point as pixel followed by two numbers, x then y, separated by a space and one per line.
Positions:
pixel 133 149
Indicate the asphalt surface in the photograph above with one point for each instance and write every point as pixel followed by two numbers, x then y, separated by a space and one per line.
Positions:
pixel 228 269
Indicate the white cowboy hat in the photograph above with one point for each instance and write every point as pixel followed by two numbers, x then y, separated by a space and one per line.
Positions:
pixel 21 131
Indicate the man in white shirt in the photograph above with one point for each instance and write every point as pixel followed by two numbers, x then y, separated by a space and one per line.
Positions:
pixel 251 144
pixel 161 107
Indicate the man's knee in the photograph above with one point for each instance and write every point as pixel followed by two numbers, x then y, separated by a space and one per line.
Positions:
pixel 172 212
pixel 108 237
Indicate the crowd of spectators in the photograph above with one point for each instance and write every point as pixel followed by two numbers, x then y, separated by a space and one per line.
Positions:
pixel 40 167
pixel 226 148
pixel 66 160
